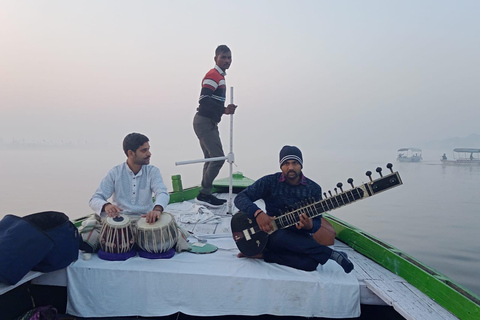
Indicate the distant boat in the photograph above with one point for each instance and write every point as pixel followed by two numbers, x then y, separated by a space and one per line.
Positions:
pixel 409 155
pixel 463 156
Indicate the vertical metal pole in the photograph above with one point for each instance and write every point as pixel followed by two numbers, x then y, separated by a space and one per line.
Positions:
pixel 230 187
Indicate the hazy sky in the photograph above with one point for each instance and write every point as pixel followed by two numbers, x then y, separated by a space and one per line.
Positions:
pixel 310 73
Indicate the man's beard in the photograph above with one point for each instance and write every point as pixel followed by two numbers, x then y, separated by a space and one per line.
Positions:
pixel 143 161
pixel 292 177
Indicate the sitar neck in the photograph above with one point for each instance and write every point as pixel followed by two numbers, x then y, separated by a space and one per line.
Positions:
pixel 316 208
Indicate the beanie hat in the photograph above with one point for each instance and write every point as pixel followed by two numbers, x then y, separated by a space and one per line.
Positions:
pixel 290 153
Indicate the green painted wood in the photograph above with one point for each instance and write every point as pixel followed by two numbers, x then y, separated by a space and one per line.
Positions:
pixel 456 299
pixel 179 194
pixel 238 181
pixel 184 195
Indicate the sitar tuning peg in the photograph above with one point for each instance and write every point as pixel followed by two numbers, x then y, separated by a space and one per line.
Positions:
pixel 330 193
pixel 325 194
pixel 335 189
pixel 379 170
pixel 350 181
pixel 339 186
pixel 369 175
pixel 390 166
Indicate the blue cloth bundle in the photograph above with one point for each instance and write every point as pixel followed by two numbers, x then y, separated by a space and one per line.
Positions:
pixel 45 241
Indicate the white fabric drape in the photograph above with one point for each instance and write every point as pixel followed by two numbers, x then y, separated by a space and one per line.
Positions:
pixel 209 285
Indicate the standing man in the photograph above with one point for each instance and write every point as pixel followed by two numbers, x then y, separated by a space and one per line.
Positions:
pixel 131 184
pixel 205 123
pixel 293 246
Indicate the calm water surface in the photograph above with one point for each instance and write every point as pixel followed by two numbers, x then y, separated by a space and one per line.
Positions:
pixel 434 216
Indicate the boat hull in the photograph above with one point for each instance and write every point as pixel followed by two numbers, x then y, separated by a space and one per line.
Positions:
pixel 459 301
pixel 461 162
pixel 409 159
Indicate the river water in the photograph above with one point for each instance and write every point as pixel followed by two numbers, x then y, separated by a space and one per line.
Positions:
pixel 434 216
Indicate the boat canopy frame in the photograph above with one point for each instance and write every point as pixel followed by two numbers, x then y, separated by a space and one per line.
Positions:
pixel 409 155
pixel 410 149
pixel 466 150
pixel 461 154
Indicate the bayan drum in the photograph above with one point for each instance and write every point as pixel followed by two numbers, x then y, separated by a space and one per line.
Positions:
pixel 157 240
pixel 117 239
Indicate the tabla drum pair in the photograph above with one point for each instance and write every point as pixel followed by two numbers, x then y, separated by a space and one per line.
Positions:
pixel 118 237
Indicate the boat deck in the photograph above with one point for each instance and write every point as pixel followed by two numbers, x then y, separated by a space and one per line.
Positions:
pixel 375 284
pixel 378 286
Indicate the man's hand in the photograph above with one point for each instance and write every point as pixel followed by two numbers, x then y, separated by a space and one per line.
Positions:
pixel 230 109
pixel 265 222
pixel 153 216
pixel 112 210
pixel 305 222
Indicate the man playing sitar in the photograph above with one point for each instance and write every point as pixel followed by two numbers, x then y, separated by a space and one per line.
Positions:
pixel 293 246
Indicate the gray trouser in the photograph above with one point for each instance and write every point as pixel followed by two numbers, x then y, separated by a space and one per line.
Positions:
pixel 207 132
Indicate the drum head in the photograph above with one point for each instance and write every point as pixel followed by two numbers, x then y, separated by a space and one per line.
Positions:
pixel 120 221
pixel 199 247
pixel 165 219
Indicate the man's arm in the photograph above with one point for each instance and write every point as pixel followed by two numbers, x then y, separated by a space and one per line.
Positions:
pixel 317 221
pixel 103 193
pixel 244 201
pixel 209 105
pixel 159 190
pixel 160 193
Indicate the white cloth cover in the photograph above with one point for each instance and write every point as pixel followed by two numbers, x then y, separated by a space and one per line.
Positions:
pixel 90 231
pixel 209 285
pixel 188 212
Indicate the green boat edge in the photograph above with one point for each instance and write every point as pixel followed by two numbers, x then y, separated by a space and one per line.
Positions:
pixel 239 182
pixel 453 297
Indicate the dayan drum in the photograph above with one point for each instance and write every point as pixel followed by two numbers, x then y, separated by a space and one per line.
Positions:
pixel 157 237
pixel 117 235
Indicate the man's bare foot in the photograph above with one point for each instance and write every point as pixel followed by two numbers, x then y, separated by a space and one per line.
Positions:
pixel 257 256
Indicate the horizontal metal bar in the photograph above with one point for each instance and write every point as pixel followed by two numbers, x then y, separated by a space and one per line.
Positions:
pixel 179 163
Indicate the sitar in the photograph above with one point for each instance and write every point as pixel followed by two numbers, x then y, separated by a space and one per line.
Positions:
pixel 251 241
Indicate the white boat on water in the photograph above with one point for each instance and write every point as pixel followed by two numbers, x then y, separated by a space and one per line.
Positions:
pixel 462 157
pixel 409 155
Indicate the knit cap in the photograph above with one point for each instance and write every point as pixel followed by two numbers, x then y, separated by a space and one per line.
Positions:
pixel 291 153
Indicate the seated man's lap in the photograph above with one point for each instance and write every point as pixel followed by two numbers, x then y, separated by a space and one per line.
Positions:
pixel 291 240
